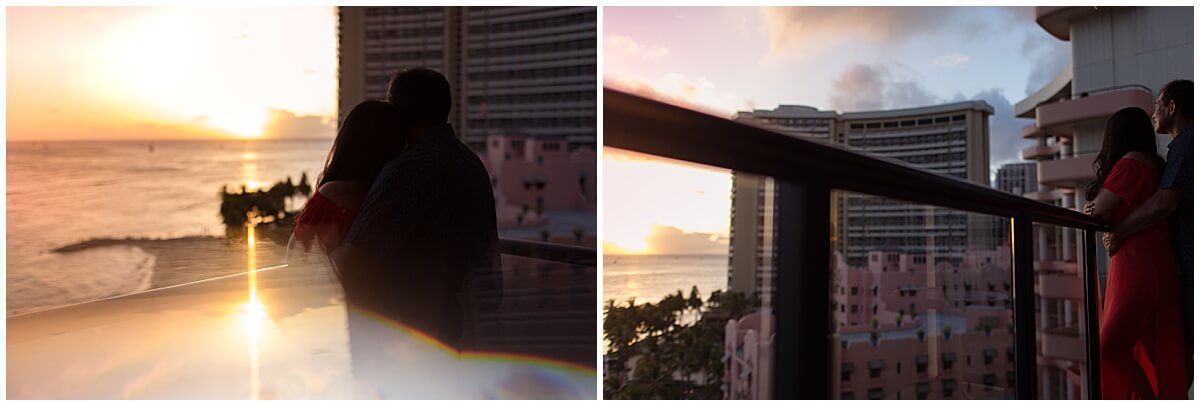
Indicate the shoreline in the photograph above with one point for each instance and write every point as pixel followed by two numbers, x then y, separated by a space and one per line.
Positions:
pixel 186 259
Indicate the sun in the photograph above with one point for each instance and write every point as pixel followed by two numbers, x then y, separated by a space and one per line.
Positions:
pixel 627 240
pixel 248 124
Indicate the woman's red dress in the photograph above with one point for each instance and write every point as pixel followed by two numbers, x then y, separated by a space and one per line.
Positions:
pixel 324 221
pixel 1140 327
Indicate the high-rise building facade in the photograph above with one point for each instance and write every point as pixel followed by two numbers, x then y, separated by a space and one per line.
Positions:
pixel 511 69
pixel 1017 178
pixel 1120 57
pixel 949 139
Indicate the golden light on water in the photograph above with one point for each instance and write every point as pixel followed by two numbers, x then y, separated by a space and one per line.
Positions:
pixel 254 313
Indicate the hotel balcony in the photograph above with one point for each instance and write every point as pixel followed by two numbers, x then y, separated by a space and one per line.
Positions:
pixel 1041 152
pixel 1062 343
pixel 810 344
pixel 1063 116
pixel 1050 196
pixel 1059 286
pixel 1067 172
pixel 1033 132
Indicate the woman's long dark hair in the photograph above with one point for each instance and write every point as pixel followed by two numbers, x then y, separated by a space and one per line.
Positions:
pixel 370 137
pixel 1128 130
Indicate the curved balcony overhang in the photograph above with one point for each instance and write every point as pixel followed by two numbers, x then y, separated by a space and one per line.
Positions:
pixel 1061 117
pixel 1056 20
pixel 1033 132
pixel 1068 172
pixel 1040 152
pixel 1058 89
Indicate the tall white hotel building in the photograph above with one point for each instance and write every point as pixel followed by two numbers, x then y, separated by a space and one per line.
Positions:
pixel 528 69
pixel 949 139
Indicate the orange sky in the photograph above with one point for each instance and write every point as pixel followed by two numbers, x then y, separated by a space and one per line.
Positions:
pixel 658 206
pixel 169 72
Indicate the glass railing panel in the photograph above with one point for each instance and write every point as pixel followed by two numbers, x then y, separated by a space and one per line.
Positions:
pixel 1061 320
pixel 683 317
pixel 921 299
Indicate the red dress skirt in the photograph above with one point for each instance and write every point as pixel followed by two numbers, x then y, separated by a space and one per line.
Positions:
pixel 324 221
pixel 1140 327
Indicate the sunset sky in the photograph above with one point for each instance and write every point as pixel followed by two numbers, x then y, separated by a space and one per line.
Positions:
pixel 170 72
pixel 722 60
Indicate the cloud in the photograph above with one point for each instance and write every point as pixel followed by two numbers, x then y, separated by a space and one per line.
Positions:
pixel 285 124
pixel 1047 57
pixel 688 92
pixel 1018 14
pixel 1004 129
pixel 620 46
pixel 794 28
pixel 671 240
pixel 865 87
pixel 874 87
pixel 951 60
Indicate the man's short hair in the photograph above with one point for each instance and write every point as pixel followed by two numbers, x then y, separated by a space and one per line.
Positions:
pixel 1180 92
pixel 422 94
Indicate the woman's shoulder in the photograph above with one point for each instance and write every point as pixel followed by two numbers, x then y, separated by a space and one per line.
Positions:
pixel 1149 159
pixel 343 193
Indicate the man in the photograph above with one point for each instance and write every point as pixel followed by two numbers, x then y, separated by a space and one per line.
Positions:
pixel 1173 200
pixel 428 222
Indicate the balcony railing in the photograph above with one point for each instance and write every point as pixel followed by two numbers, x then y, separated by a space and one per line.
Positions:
pixel 807 173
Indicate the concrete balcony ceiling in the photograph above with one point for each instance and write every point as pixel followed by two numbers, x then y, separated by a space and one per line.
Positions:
pixel 1067 173
pixel 1039 152
pixel 1061 117
pixel 1032 131
pixel 1046 196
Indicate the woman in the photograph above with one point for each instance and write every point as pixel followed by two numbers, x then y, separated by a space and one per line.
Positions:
pixel 368 140
pixel 1141 340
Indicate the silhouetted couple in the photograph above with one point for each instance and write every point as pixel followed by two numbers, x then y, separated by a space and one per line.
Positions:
pixel 405 210
pixel 1146 330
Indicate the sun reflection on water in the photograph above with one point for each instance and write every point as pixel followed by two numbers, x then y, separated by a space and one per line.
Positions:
pixel 254 313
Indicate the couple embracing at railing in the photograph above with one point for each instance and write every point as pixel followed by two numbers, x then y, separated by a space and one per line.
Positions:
pixel 1146 330
pixel 405 210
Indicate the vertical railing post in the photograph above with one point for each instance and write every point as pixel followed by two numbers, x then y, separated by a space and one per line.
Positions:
pixel 1091 312
pixel 1025 331
pixel 802 355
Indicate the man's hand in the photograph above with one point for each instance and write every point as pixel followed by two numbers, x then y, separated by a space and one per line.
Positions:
pixel 1088 209
pixel 1111 244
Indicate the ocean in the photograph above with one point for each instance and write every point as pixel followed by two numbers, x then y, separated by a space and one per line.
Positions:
pixel 61 193
pixel 649 278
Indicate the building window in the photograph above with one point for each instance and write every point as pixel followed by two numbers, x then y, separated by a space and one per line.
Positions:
pixel 847 395
pixel 947 388
pixel 948 360
pixel 875 393
pixel 853 309
pixel 876 367
pixel 847 370
pixel 854 291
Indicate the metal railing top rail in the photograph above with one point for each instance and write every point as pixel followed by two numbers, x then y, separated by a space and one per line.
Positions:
pixel 570 254
pixel 647 126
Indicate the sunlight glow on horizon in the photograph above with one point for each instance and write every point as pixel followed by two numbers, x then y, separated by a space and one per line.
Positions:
pixel 167 72
pixel 645 194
